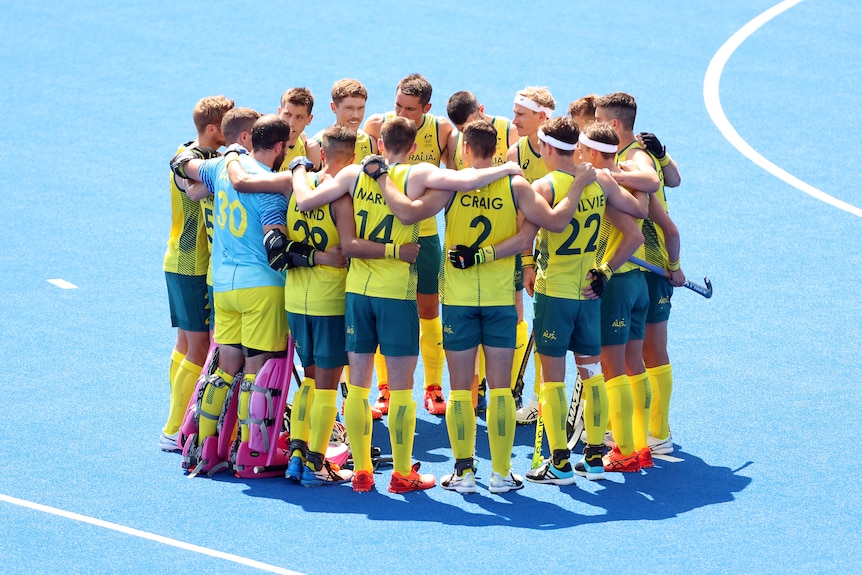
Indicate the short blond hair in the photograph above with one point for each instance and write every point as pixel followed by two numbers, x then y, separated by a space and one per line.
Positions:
pixel 348 88
pixel 540 95
pixel 210 110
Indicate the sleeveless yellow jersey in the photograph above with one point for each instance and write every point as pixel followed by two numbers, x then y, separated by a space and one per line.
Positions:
pixel 207 207
pixel 187 252
pixel 385 278
pixel 428 149
pixel 530 161
pixel 566 257
pixel 655 249
pixel 318 290
pixel 502 125
pixel 362 149
pixel 297 150
pixel 481 219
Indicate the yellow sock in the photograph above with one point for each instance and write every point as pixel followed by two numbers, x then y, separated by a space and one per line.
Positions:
pixel 402 426
pixel 431 348
pixel 181 391
pixel 501 429
pixel 380 368
pixel 522 335
pixel 242 410
pixel 357 421
pixel 322 413
pixel 176 359
pixel 303 399
pixel 620 407
pixel 212 404
pixel 595 409
pixel 461 423
pixel 642 397
pixel 661 381
pixel 554 412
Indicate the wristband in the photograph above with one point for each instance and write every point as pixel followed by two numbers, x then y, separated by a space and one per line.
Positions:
pixel 489 254
pixel 663 162
pixel 392 251
pixel 234 158
pixel 673 266
pixel 606 270
pixel 528 260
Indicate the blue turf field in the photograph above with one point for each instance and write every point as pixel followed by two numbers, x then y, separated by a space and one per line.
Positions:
pixel 766 399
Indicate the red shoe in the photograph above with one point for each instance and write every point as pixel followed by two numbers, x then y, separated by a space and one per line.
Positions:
pixel 645 458
pixel 434 402
pixel 363 481
pixel 616 461
pixel 382 403
pixel 414 481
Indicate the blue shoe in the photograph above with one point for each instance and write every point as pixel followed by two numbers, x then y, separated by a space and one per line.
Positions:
pixel 295 467
pixel 318 472
pixel 554 471
pixel 591 465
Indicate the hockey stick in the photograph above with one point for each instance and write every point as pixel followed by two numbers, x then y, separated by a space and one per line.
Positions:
pixel 518 390
pixel 575 417
pixel 698 289
pixel 540 435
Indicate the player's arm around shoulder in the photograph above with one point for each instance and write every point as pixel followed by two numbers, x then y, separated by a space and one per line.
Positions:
pixel 325 193
pixel 638 172
pixel 312 152
pixel 373 124
pixel 635 204
pixel 260 183
pixel 448 137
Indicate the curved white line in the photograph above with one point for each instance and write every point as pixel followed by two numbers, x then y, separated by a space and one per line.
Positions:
pixel 713 105
pixel 149 536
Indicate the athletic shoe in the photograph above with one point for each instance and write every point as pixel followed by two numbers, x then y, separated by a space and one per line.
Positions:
pixel 382 403
pixel 553 470
pixel 363 481
pixel 463 479
pixel 660 446
pixel 590 465
pixel 295 467
pixel 169 442
pixel 434 402
pixel 500 484
pixel 529 413
pixel 318 471
pixel 608 440
pixel 645 458
pixel 413 481
pixel 616 461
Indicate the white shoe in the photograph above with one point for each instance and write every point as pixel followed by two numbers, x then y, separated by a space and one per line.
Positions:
pixel 169 442
pixel 465 483
pixel 528 413
pixel 608 439
pixel 500 484
pixel 660 446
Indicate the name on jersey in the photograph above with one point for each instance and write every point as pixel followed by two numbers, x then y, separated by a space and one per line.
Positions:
pixel 317 214
pixel 590 204
pixel 373 196
pixel 430 157
pixel 480 201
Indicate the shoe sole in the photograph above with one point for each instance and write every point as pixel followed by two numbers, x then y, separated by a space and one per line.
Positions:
pixel 591 476
pixel 459 489
pixel 558 481
pixel 506 489
pixel 169 449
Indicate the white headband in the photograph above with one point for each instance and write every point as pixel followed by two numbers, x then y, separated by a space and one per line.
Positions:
pixel 599 146
pixel 522 100
pixel 551 141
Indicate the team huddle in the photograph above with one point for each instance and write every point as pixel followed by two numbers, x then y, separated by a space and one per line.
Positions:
pixel 327 247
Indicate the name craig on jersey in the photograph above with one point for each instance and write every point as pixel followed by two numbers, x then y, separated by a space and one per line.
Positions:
pixel 480 201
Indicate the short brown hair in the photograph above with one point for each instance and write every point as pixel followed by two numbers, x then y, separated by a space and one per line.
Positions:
pixel 604 133
pixel 562 128
pixel 398 134
pixel 298 97
pixel 620 106
pixel 236 121
pixel 338 142
pixel 481 137
pixel 416 85
pixel 210 110
pixel 461 106
pixel 585 106
pixel 348 88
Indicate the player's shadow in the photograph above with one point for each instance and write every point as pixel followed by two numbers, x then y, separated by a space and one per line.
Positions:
pixel 667 490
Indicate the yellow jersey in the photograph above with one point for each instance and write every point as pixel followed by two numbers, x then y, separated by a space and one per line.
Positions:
pixel 530 161
pixel 187 253
pixel 502 125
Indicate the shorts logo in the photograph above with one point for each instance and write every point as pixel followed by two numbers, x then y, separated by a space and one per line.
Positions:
pixel 664 301
pixel 549 335
pixel 619 323
pixel 448 329
pixel 350 330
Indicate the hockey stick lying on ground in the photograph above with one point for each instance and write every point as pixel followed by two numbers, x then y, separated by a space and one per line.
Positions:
pixel 518 390
pixel 575 418
pixel 698 289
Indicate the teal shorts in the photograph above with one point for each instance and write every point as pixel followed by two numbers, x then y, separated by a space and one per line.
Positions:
pixel 393 324
pixel 188 301
pixel 624 308
pixel 428 265
pixel 660 292
pixel 319 340
pixel 465 327
pixel 561 325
